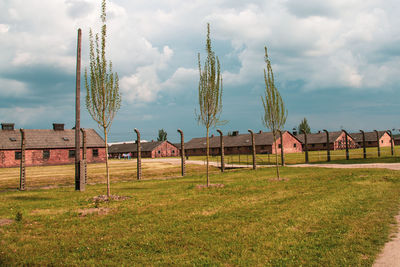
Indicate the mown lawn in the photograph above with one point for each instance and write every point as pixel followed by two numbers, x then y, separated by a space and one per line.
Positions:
pixel 337 156
pixel 318 217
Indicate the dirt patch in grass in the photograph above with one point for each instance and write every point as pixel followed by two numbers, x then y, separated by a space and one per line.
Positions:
pixel 104 198
pixel 278 180
pixel 6 222
pixel 202 186
pixel 99 211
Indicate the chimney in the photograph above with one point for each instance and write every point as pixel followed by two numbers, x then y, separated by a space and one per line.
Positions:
pixel 212 136
pixel 260 132
pixel 7 126
pixel 319 131
pixel 235 133
pixel 58 126
pixel 294 131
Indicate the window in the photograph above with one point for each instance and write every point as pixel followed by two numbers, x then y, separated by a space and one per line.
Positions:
pixel 324 144
pixel 369 142
pixel 382 141
pixel 173 151
pixel 46 154
pixel 280 146
pixel 95 152
pixel 294 145
pixel 313 145
pixel 71 153
pixel 18 155
pixel 159 152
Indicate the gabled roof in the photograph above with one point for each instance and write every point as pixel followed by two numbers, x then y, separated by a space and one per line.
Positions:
pixel 319 138
pixel 369 136
pixel 132 147
pixel 47 139
pixel 262 138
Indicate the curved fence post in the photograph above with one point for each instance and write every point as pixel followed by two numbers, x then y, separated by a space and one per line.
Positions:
pixel 222 152
pixel 328 152
pixel 253 148
pixel 391 142
pixel 282 153
pixel 305 145
pixel 22 173
pixel 377 141
pixel 139 156
pixel 347 144
pixel 183 163
pixel 364 144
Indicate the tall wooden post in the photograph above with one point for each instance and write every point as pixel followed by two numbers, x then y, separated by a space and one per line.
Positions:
pixel 305 144
pixel 253 148
pixel 282 153
pixel 84 158
pixel 183 163
pixel 328 153
pixel 139 155
pixel 221 147
pixel 22 173
pixel 79 184
pixel 377 141
pixel 391 142
pixel 347 144
pixel 364 144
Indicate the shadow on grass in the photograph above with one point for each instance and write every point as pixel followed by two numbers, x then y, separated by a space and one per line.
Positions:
pixel 31 198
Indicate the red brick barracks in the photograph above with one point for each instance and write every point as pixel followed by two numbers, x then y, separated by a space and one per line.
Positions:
pixel 236 143
pixel 148 150
pixel 47 147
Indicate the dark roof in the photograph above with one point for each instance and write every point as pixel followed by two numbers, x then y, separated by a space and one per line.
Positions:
pixel 42 139
pixel 132 147
pixel 369 136
pixel 396 136
pixel 263 138
pixel 319 138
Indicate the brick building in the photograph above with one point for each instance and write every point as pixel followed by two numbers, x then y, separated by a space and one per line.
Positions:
pixel 371 139
pixel 47 147
pixel 241 144
pixel 152 149
pixel 337 141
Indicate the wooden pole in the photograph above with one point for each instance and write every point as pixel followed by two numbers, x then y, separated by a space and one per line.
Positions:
pixel 364 144
pixel 347 144
pixel 79 184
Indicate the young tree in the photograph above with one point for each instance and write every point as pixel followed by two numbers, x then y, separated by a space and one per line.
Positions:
pixel 210 94
pixel 274 109
pixel 162 135
pixel 103 99
pixel 304 127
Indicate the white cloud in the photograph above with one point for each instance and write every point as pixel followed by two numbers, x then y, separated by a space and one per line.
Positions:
pixel 12 88
pixel 4 28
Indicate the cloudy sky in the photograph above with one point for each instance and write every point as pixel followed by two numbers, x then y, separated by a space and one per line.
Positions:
pixel 336 62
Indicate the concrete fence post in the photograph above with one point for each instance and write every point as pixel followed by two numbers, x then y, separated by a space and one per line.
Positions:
pixel 347 144
pixel 328 152
pixel 253 148
pixel 282 153
pixel 183 163
pixel 391 142
pixel 22 173
pixel 78 168
pixel 305 145
pixel 377 141
pixel 139 155
pixel 364 144
pixel 222 152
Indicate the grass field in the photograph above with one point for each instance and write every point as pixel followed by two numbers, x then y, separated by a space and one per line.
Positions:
pixel 337 156
pixel 317 217
pixel 63 175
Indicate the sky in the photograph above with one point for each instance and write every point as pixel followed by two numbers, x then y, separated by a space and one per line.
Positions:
pixel 336 63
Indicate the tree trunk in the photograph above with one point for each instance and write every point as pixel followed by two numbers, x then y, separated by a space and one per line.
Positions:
pixel 107 171
pixel 276 158
pixel 207 154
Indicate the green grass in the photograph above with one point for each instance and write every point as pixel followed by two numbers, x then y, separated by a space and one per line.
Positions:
pixel 337 156
pixel 318 217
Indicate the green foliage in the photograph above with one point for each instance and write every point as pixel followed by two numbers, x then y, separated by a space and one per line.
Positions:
pixel 162 135
pixel 304 127
pixel 210 93
pixel 275 113
pixel 18 216
pixel 103 98
pixel 317 217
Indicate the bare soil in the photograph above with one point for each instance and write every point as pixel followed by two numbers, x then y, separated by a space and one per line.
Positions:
pixel 202 186
pixel 390 255
pixel 99 211
pixel 6 222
